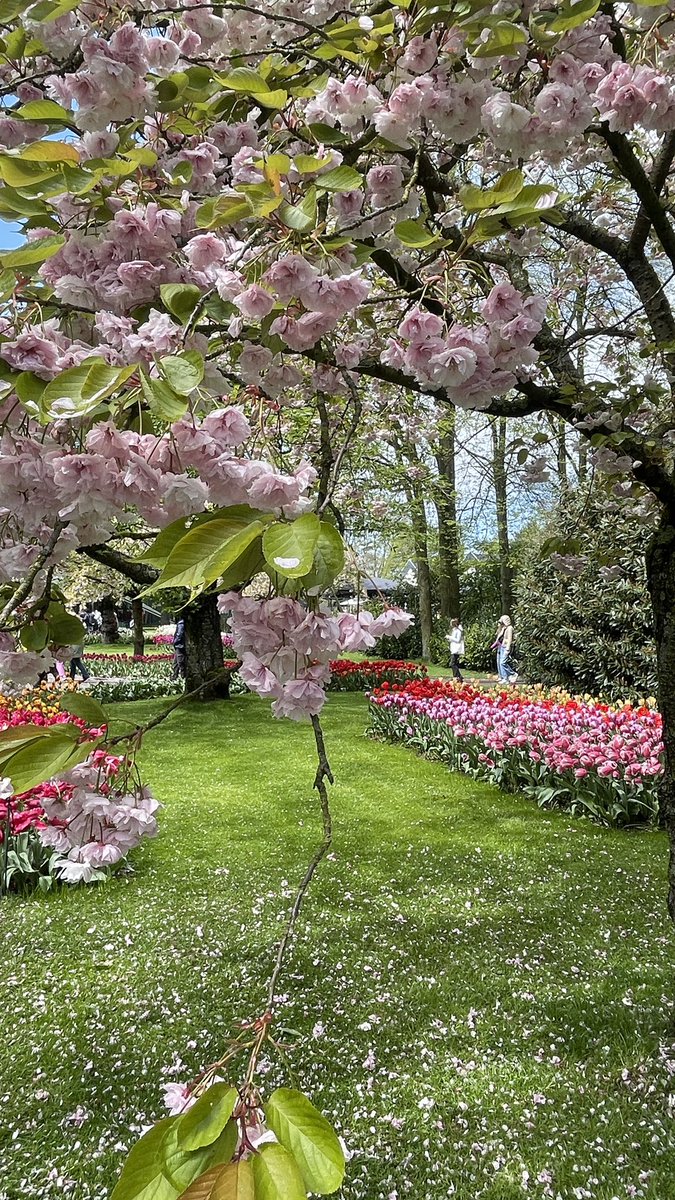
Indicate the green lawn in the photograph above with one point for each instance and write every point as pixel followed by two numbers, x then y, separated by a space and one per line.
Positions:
pixel 485 991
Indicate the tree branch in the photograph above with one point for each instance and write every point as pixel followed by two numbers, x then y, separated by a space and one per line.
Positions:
pixel 633 171
pixel 657 178
pixel 323 773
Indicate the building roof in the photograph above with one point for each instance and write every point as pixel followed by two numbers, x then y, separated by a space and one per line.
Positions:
pixel 375 584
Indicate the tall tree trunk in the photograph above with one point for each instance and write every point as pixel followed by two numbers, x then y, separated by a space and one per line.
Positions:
pixel 563 480
pixel 582 460
pixel 421 545
pixel 110 630
pixel 498 429
pixel 137 625
pixel 446 510
pixel 661 579
pixel 204 648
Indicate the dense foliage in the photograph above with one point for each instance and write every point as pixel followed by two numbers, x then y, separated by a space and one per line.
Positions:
pixel 584 620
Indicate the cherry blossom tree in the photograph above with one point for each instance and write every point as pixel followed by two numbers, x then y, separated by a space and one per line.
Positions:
pixel 291 199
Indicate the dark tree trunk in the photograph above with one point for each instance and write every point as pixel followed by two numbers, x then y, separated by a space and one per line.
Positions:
pixel 204 648
pixel 110 630
pixel 661 579
pixel 448 531
pixel 137 624
pixel 502 509
pixel 421 543
pixel 563 480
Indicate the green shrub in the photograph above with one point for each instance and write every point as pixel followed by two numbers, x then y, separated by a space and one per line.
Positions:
pixel 478 639
pixel 589 632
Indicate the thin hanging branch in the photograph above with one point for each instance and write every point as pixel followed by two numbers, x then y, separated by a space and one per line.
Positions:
pixel 323 773
pixel 24 589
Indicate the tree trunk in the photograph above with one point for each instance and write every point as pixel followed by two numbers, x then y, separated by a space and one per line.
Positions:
pixel 110 630
pixel 421 544
pixel 204 648
pixel 137 624
pixel 498 428
pixel 448 531
pixel 661 579
pixel 563 480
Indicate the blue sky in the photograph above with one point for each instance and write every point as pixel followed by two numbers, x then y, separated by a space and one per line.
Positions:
pixel 10 235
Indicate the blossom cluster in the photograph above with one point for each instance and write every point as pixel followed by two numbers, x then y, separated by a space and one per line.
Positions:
pixel 89 817
pixel 578 754
pixel 119 468
pixel 472 365
pixel 286 649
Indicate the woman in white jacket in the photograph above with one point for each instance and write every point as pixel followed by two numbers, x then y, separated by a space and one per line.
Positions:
pixel 456 640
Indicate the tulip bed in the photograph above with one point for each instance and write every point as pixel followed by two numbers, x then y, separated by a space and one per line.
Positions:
pixel 350 676
pixel 578 755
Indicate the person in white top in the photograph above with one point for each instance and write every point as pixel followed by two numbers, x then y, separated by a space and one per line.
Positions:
pixel 456 640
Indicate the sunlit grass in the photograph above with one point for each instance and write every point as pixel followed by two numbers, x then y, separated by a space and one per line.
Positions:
pixel 484 991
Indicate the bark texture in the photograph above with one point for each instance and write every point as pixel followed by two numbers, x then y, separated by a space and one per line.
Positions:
pixel 661 579
pixel 204 648
pixel 448 532
pixel 137 625
pixel 109 626
pixel 502 509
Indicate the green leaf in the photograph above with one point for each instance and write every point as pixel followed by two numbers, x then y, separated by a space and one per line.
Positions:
pixel 309 1137
pixel 180 299
pixel 242 79
pixel 326 134
pixel 42 758
pixel 307 164
pixel 64 628
pixel 143 1175
pixel 19 173
pixel 271 99
pixel 223 210
pixel 414 233
pixel 34 252
pixel 159 551
pixel 51 10
pixel 340 179
pixel 206 1119
pixel 49 152
pixel 164 402
pixel 183 372
pixel 84 706
pixel 303 216
pixel 231 1182
pixel 276 1175
pixel 206 551
pixel 43 110
pixel 262 197
pixel 35 637
pixel 509 187
pixel 80 390
pixel 288 546
pixel 505 37
pixel 182 1167
pixel 329 558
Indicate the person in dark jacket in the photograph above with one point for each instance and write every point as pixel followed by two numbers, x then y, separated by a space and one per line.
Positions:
pixel 179 650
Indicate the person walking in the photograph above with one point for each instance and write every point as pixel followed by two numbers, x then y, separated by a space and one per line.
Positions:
pixel 503 644
pixel 179 650
pixel 456 640
pixel 77 664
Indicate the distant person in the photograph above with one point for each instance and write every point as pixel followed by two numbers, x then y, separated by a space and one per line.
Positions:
pixel 77 664
pixel 503 644
pixel 457 649
pixel 179 650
